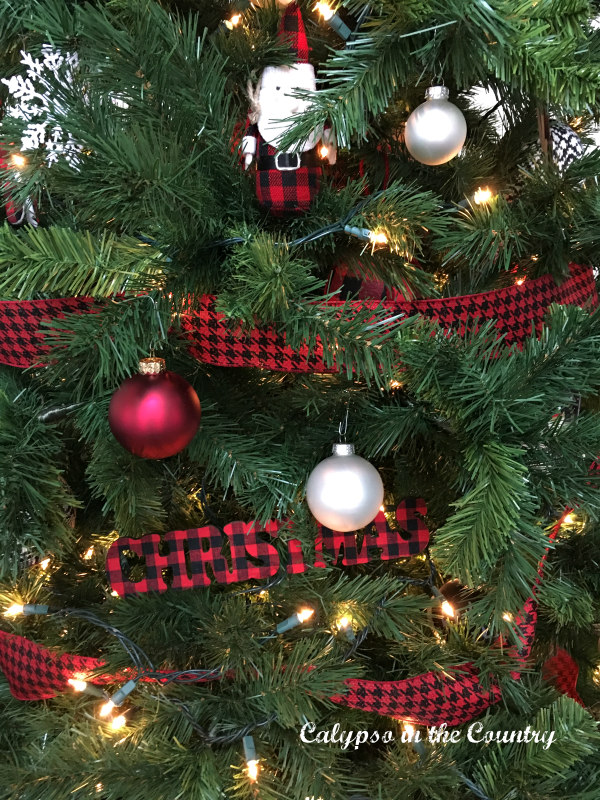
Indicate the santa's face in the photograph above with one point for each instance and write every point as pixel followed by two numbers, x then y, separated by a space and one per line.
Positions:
pixel 277 102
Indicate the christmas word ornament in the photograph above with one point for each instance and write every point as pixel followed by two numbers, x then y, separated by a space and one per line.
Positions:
pixel 344 492
pixel 285 181
pixel 243 551
pixel 154 414
pixel 436 130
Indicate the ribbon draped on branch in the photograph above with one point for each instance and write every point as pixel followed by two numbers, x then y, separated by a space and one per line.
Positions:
pixel 517 310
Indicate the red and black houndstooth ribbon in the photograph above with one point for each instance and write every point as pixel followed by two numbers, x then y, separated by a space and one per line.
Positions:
pixel 22 334
pixel 35 673
pixel 517 311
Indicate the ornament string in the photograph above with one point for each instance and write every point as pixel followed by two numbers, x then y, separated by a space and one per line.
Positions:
pixel 343 427
pixel 155 311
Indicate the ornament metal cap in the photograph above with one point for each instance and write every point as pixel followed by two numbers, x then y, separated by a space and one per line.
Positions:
pixel 342 449
pixel 437 93
pixel 151 366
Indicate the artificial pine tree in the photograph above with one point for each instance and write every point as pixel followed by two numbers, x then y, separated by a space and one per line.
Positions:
pixel 141 235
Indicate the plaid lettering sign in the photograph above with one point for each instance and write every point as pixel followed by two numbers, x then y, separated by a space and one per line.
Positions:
pixel 241 551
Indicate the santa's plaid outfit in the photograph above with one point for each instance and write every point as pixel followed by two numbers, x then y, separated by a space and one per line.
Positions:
pixel 281 185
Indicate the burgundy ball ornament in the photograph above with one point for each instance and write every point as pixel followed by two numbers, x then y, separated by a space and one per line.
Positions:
pixel 154 414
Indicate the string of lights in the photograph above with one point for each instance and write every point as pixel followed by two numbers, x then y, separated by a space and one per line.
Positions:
pixel 145 670
pixel 341 226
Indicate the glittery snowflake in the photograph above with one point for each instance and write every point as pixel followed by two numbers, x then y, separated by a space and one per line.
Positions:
pixel 33 101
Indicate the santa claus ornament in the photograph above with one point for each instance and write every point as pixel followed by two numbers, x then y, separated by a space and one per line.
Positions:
pixel 286 182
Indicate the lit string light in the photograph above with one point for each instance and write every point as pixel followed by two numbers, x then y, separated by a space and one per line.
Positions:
pixel 447 609
pixel 344 625
pixel 414 738
pixel 118 698
pixel 27 609
pixel 234 20
pixel 18 161
pixel 14 610
pixel 482 196
pixel 325 10
pixel 366 235
pixel 118 723
pixel 106 709
pixel 251 759
pixel 333 19
pixel 296 619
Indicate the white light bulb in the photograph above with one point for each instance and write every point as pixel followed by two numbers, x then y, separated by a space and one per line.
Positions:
pixel 482 196
pixel 325 11
pixel 118 722
pixel 447 609
pixel 378 237
pixel 106 708
pixel 78 685
pixel 252 770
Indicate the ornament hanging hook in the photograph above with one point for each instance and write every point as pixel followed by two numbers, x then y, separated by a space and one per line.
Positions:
pixel 343 427
pixel 437 61
pixel 155 311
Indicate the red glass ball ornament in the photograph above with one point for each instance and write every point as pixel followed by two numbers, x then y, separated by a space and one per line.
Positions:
pixel 154 414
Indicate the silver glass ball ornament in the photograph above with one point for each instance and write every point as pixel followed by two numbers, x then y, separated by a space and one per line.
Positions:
pixel 436 130
pixel 344 492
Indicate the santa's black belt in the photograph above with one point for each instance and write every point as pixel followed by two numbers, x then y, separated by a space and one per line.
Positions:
pixel 284 162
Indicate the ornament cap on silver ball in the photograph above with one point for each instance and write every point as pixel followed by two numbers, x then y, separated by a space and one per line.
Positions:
pixel 437 93
pixel 343 449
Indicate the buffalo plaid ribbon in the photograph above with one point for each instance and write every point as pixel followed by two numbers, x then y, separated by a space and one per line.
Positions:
pixel 517 310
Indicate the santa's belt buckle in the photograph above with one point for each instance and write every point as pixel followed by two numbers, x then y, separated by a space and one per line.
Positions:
pixel 283 161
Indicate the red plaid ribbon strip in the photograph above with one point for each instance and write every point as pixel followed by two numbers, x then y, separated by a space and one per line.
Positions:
pixel 517 311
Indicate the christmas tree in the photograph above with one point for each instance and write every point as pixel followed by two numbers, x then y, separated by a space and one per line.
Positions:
pixel 313 227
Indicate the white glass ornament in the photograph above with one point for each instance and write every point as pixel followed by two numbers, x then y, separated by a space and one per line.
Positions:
pixel 436 130
pixel 344 492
